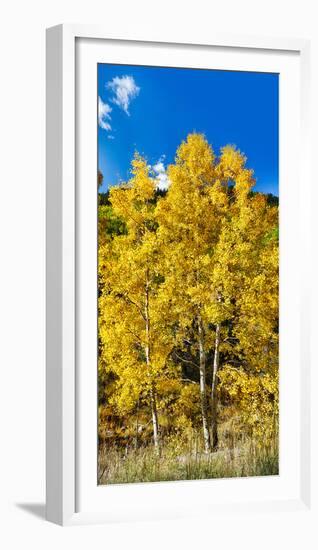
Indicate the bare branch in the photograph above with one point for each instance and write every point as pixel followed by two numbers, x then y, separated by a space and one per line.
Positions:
pixel 186 360
pixel 134 334
pixel 130 301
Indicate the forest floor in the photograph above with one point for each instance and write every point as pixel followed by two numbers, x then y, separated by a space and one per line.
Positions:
pixel 140 465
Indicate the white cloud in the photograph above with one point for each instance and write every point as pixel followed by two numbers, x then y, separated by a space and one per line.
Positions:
pixel 124 89
pixel 110 137
pixel 161 175
pixel 104 117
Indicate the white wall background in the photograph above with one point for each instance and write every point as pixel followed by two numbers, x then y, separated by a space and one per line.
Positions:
pixel 22 199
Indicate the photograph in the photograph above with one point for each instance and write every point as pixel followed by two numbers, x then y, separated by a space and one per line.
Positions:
pixel 188 273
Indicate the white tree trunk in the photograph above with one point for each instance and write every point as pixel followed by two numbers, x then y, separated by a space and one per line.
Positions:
pixel 155 424
pixel 216 362
pixel 203 393
pixel 153 398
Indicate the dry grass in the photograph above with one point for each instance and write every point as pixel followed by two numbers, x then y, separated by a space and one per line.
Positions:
pixel 144 465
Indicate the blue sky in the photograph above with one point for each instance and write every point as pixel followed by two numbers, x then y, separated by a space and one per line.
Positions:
pixel 152 109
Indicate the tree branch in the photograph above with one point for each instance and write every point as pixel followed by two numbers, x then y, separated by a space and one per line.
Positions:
pixel 134 334
pixel 130 301
pixel 188 380
pixel 186 360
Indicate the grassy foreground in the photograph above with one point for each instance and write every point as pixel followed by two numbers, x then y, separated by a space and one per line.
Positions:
pixel 144 465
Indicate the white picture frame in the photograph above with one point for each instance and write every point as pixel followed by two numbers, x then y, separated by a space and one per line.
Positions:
pixel 71 497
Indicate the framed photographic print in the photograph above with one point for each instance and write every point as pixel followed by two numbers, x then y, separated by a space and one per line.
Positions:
pixel 177 200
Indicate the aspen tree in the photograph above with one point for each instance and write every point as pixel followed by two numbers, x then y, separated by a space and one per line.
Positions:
pixel 188 226
pixel 135 343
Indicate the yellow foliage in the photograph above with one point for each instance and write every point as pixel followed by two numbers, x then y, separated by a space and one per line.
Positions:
pixel 256 397
pixel 203 256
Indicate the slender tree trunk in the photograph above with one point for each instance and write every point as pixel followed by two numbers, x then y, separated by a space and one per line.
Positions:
pixel 216 362
pixel 137 425
pixel 154 413
pixel 203 393
pixel 153 398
